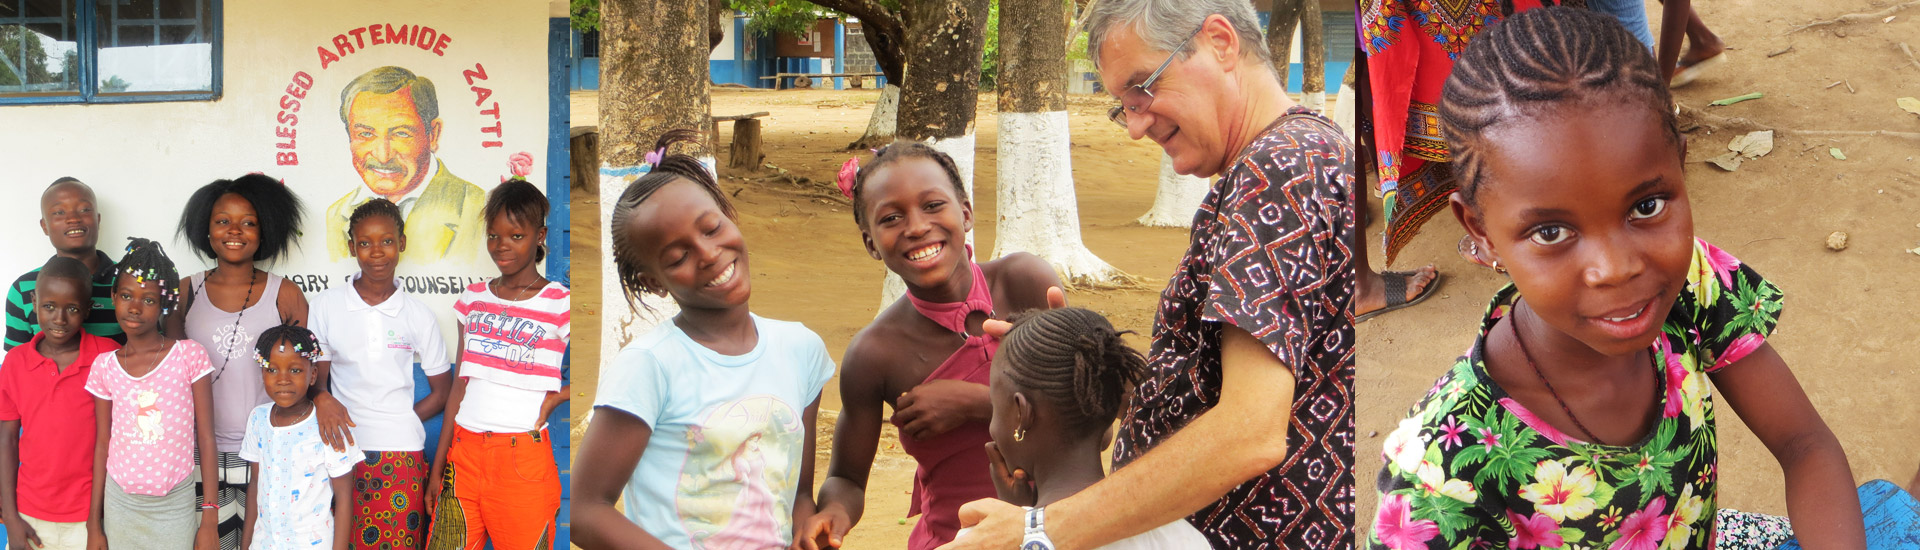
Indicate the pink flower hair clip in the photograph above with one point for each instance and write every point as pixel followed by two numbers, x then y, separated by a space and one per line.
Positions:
pixel 848 172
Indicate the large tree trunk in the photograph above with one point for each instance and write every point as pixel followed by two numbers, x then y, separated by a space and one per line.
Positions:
pixel 653 62
pixel 881 126
pixel 1313 57
pixel 939 88
pixel 1281 18
pixel 1037 210
pixel 885 33
pixel 1178 198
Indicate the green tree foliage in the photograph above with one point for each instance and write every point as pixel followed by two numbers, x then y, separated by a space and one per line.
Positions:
pixel 585 14
pixel 776 17
pixel 990 49
pixel 23 58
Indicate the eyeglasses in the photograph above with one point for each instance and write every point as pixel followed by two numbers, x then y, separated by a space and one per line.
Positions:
pixel 1138 97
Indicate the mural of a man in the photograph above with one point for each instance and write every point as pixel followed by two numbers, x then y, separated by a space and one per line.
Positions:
pixel 393 128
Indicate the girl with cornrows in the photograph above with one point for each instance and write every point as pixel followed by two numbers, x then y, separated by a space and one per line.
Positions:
pixel 240 223
pixel 1059 380
pixel 706 421
pixel 925 355
pixel 1582 414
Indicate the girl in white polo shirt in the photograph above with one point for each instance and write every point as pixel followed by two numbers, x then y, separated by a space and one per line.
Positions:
pixel 371 332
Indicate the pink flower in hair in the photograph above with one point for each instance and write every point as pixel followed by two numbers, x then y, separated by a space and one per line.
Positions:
pixel 848 172
pixel 653 158
pixel 520 164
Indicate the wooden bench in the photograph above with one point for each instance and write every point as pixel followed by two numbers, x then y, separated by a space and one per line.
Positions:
pixel 745 151
pixel 780 79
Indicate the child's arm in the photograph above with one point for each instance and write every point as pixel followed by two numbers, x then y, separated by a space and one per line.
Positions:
pixel 436 400
pixel 438 473
pixel 1821 501
pixel 328 411
pixel 342 511
pixel 803 496
pixel 856 437
pixel 103 431
pixel 209 536
pixel 554 400
pixel 19 533
pixel 253 508
pixel 610 450
pixel 17 308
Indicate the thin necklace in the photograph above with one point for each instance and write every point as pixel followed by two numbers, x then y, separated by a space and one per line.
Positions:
pixel 1513 325
pixel 226 355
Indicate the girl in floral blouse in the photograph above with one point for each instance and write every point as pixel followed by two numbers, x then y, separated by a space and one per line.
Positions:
pixel 1582 416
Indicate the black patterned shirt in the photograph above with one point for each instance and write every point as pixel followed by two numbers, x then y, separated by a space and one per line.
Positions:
pixel 1269 253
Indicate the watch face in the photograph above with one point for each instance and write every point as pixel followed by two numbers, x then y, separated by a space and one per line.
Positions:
pixel 1035 545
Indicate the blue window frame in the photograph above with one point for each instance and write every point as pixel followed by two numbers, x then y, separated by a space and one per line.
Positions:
pixel 109 51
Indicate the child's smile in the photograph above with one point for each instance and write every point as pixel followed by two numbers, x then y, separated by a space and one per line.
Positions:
pixel 234 229
pixel 67 215
pixel 1591 220
pixel 916 218
pixel 689 247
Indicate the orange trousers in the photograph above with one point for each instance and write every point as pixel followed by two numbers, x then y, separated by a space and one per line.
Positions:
pixel 499 486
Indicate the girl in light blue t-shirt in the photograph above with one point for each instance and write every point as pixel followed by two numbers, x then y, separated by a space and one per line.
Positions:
pixel 706 423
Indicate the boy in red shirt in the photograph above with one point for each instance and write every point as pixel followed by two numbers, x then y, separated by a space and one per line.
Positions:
pixel 46 470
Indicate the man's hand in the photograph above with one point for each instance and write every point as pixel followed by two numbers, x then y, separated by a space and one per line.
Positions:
pixel 1056 299
pixel 994 524
pixel 937 407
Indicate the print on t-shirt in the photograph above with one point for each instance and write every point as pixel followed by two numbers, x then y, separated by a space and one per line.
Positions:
pixel 738 474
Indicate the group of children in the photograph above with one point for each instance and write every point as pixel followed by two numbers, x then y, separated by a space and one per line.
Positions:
pixel 706 424
pixel 225 410
pixel 1572 185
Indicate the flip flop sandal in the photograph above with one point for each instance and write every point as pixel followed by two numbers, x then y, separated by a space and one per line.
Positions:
pixel 1690 71
pixel 1396 282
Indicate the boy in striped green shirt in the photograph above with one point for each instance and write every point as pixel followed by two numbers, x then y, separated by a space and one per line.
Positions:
pixel 72 224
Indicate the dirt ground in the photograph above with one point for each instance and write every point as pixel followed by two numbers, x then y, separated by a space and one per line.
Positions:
pixel 809 266
pixel 1847 329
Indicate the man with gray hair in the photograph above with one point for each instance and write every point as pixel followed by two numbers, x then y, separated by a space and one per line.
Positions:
pixel 1245 425
pixel 393 129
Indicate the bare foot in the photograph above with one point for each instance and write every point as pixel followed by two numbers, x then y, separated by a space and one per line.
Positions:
pixel 1371 289
pixel 1697 52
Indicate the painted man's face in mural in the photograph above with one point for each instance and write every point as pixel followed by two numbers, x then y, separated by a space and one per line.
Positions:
pixel 392 148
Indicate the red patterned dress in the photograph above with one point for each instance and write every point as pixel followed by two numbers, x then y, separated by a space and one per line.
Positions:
pixel 1410 47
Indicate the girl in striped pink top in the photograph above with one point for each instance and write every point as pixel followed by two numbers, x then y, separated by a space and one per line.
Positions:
pixel 497 477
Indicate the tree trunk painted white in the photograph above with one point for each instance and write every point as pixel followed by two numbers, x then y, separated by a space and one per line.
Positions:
pixel 886 113
pixel 621 323
pixel 961 149
pixel 1178 198
pixel 1038 213
pixel 1314 100
pixel 1343 109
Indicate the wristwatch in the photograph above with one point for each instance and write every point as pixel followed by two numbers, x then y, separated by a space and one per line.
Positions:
pixel 1036 537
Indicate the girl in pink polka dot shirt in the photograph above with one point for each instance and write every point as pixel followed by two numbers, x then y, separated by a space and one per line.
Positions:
pixel 154 405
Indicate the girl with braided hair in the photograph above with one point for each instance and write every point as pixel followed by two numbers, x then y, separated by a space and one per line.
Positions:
pixel 303 497
pixel 154 408
pixel 1582 414
pixel 925 356
pixel 705 424
pixel 1060 379
pixel 371 331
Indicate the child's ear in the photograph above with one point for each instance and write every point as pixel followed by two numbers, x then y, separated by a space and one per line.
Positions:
pixel 867 239
pixel 1470 220
pixel 1022 413
pixel 403 242
pixel 966 215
